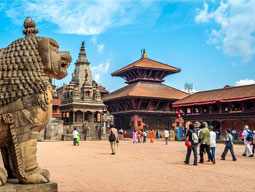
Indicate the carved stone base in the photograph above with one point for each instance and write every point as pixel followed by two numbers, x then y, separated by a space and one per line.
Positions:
pixel 12 185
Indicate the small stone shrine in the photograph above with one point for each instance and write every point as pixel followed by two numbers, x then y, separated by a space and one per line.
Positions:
pixel 82 107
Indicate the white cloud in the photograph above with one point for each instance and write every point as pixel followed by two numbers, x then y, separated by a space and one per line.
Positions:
pixel 245 82
pixel 236 33
pixel 101 69
pixel 93 39
pixel 78 16
pixel 100 48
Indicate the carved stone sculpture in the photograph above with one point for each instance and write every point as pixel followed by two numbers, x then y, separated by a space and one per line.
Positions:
pixel 26 66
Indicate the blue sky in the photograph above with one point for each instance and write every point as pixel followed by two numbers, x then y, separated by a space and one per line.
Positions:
pixel 213 42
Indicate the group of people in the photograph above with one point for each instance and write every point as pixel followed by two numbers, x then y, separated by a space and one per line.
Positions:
pixel 204 138
pixel 141 135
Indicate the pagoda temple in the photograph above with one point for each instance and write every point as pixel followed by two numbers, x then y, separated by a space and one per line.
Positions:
pixel 82 107
pixel 145 102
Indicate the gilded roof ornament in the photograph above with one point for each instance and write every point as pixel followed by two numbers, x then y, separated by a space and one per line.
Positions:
pixel 144 55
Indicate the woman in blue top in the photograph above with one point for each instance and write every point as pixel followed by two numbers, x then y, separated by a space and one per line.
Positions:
pixel 229 146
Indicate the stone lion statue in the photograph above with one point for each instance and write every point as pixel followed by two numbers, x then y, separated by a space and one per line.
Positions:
pixel 26 67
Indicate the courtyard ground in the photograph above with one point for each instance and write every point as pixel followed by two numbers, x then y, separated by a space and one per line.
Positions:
pixel 142 167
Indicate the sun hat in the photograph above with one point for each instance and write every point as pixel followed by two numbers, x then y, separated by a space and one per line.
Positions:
pixel 246 127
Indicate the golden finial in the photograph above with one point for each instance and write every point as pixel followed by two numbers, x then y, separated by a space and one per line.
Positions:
pixel 144 55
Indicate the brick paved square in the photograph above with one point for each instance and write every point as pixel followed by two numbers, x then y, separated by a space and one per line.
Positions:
pixel 142 167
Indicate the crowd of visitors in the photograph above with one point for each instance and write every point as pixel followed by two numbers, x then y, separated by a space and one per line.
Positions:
pixel 204 138
pixel 198 137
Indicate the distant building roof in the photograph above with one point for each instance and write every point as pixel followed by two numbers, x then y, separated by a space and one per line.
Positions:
pixel 146 89
pixel 103 90
pixel 56 102
pixel 145 62
pixel 227 94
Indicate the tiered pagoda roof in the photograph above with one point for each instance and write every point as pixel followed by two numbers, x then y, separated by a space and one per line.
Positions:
pixel 227 94
pixel 144 78
pixel 146 89
pixel 145 69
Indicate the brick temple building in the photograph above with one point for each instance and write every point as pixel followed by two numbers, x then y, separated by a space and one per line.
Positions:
pixel 145 102
pixel 82 106
pixel 227 108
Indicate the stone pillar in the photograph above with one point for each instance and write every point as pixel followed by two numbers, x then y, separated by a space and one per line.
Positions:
pixel 74 117
pixel 92 117
pixel 65 118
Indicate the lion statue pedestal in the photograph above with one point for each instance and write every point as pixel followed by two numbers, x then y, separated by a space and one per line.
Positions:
pixel 26 67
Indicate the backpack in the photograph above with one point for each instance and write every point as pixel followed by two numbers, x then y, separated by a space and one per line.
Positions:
pixel 249 136
pixel 112 137
pixel 195 139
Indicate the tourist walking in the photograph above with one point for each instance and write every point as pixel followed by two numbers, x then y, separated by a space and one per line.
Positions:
pixel 204 136
pixel 212 142
pixel 192 137
pixel 151 136
pixel 247 137
pixel 157 134
pixel 113 138
pixel 134 136
pixel 229 146
pixel 139 136
pixel 144 136
pixel 166 135
pixel 75 136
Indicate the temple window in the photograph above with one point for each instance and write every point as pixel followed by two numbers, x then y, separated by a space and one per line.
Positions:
pixel 249 105
pixel 236 107
pixel 195 110
pixel 205 109
pixel 188 110
pixel 215 107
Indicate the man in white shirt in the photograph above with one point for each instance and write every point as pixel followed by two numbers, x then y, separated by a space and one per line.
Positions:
pixel 212 142
pixel 246 142
pixel 166 135
pixel 75 136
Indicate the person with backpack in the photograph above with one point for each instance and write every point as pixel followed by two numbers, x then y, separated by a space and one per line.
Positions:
pixel 113 138
pixel 247 136
pixel 229 146
pixel 204 136
pixel 212 142
pixel 192 137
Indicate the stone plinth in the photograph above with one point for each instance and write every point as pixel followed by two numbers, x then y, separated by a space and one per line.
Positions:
pixel 12 185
